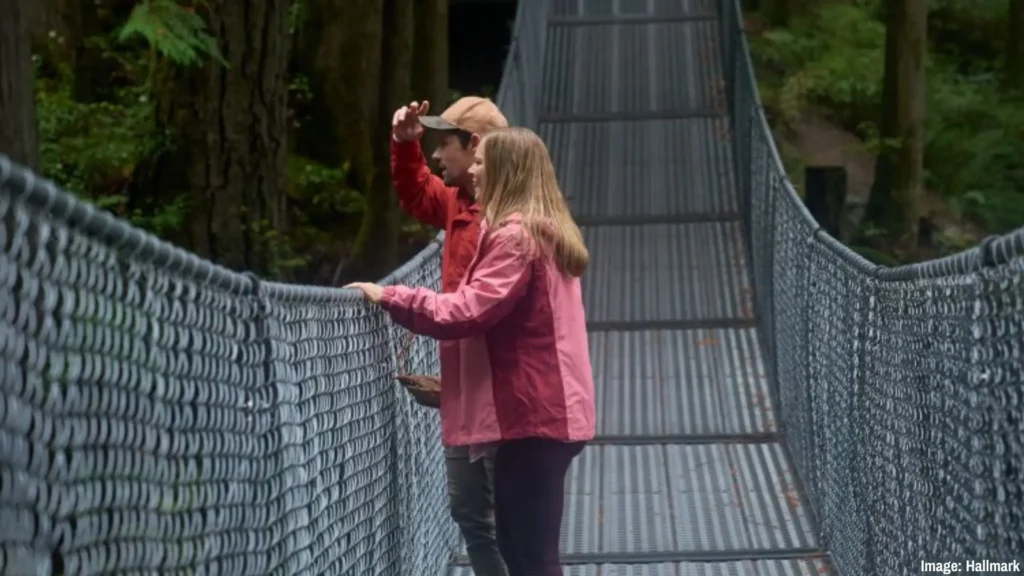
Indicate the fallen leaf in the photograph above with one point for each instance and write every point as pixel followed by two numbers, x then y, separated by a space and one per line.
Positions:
pixel 794 502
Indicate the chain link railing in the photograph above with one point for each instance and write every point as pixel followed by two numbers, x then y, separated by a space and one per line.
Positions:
pixel 160 414
pixel 902 389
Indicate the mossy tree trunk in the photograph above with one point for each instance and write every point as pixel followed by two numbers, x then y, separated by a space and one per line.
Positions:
pixel 1015 46
pixel 71 35
pixel 894 205
pixel 341 42
pixel 92 70
pixel 375 250
pixel 339 45
pixel 55 29
pixel 430 79
pixel 776 12
pixel 18 127
pixel 359 57
pixel 230 153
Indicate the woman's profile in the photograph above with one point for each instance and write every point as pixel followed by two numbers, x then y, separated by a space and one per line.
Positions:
pixel 517 378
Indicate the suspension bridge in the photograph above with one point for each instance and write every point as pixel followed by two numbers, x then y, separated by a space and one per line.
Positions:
pixel 770 403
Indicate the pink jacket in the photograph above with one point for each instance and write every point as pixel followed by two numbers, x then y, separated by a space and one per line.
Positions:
pixel 514 356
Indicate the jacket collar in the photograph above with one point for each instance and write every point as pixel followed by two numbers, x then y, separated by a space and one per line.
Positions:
pixel 468 213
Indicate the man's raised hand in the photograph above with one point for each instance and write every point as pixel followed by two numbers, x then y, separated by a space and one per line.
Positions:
pixel 405 124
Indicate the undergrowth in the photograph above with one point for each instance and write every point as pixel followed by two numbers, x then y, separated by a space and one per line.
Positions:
pixel 832 61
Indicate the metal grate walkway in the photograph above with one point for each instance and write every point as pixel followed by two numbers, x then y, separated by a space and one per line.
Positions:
pixel 161 414
pixel 688 475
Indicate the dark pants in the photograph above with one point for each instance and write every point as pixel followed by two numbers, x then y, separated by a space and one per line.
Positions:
pixel 529 494
pixel 471 499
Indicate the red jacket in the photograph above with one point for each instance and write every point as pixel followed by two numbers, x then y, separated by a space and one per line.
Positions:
pixel 425 197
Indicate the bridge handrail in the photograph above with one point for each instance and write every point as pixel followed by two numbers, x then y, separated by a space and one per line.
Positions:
pixel 161 412
pixel 245 425
pixel 994 251
pixel 900 390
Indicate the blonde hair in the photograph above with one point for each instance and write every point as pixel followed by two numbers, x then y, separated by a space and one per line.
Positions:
pixel 520 178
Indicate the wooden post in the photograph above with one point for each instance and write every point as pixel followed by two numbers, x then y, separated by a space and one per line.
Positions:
pixel 825 195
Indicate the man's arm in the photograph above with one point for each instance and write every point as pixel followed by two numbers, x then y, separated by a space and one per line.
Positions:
pixel 420 192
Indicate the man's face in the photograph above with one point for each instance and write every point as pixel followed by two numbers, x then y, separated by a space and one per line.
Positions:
pixel 455 160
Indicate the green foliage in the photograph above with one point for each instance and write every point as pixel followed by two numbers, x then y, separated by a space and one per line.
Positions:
pixel 92 149
pixel 106 146
pixel 174 31
pixel 284 258
pixel 973 34
pixel 87 146
pixel 323 187
pixel 974 147
pixel 297 12
pixel 832 61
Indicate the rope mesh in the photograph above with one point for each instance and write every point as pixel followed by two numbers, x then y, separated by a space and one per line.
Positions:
pixel 159 414
pixel 901 389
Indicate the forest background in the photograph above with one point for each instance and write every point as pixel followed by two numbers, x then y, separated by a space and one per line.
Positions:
pixel 255 132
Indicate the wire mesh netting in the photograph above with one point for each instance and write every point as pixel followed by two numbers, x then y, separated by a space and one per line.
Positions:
pixel 901 389
pixel 159 414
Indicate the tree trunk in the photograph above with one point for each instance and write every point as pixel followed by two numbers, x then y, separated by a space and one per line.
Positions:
pixel 92 70
pixel 230 158
pixel 776 12
pixel 65 36
pixel 54 28
pixel 894 205
pixel 375 251
pixel 1015 46
pixel 343 39
pixel 430 59
pixel 18 130
pixel 340 44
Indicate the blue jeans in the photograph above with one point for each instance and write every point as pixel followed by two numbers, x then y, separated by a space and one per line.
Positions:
pixel 471 500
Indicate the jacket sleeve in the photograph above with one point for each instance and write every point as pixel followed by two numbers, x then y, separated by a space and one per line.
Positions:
pixel 496 284
pixel 420 193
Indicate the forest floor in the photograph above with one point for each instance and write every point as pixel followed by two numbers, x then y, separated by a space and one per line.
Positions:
pixel 813 140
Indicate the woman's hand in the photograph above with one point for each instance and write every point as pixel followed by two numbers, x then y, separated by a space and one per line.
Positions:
pixel 372 292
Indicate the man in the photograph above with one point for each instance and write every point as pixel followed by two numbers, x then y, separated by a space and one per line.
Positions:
pixel 449 203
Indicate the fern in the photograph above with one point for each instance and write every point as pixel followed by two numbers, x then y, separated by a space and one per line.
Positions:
pixel 171 30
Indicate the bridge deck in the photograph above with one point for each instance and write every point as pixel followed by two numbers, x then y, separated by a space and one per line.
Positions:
pixel 688 475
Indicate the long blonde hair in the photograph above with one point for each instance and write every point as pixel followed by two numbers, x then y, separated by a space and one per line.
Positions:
pixel 519 177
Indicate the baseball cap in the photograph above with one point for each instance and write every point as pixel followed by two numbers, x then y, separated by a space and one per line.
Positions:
pixel 473 114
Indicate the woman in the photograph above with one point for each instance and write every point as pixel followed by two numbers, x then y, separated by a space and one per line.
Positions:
pixel 517 376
